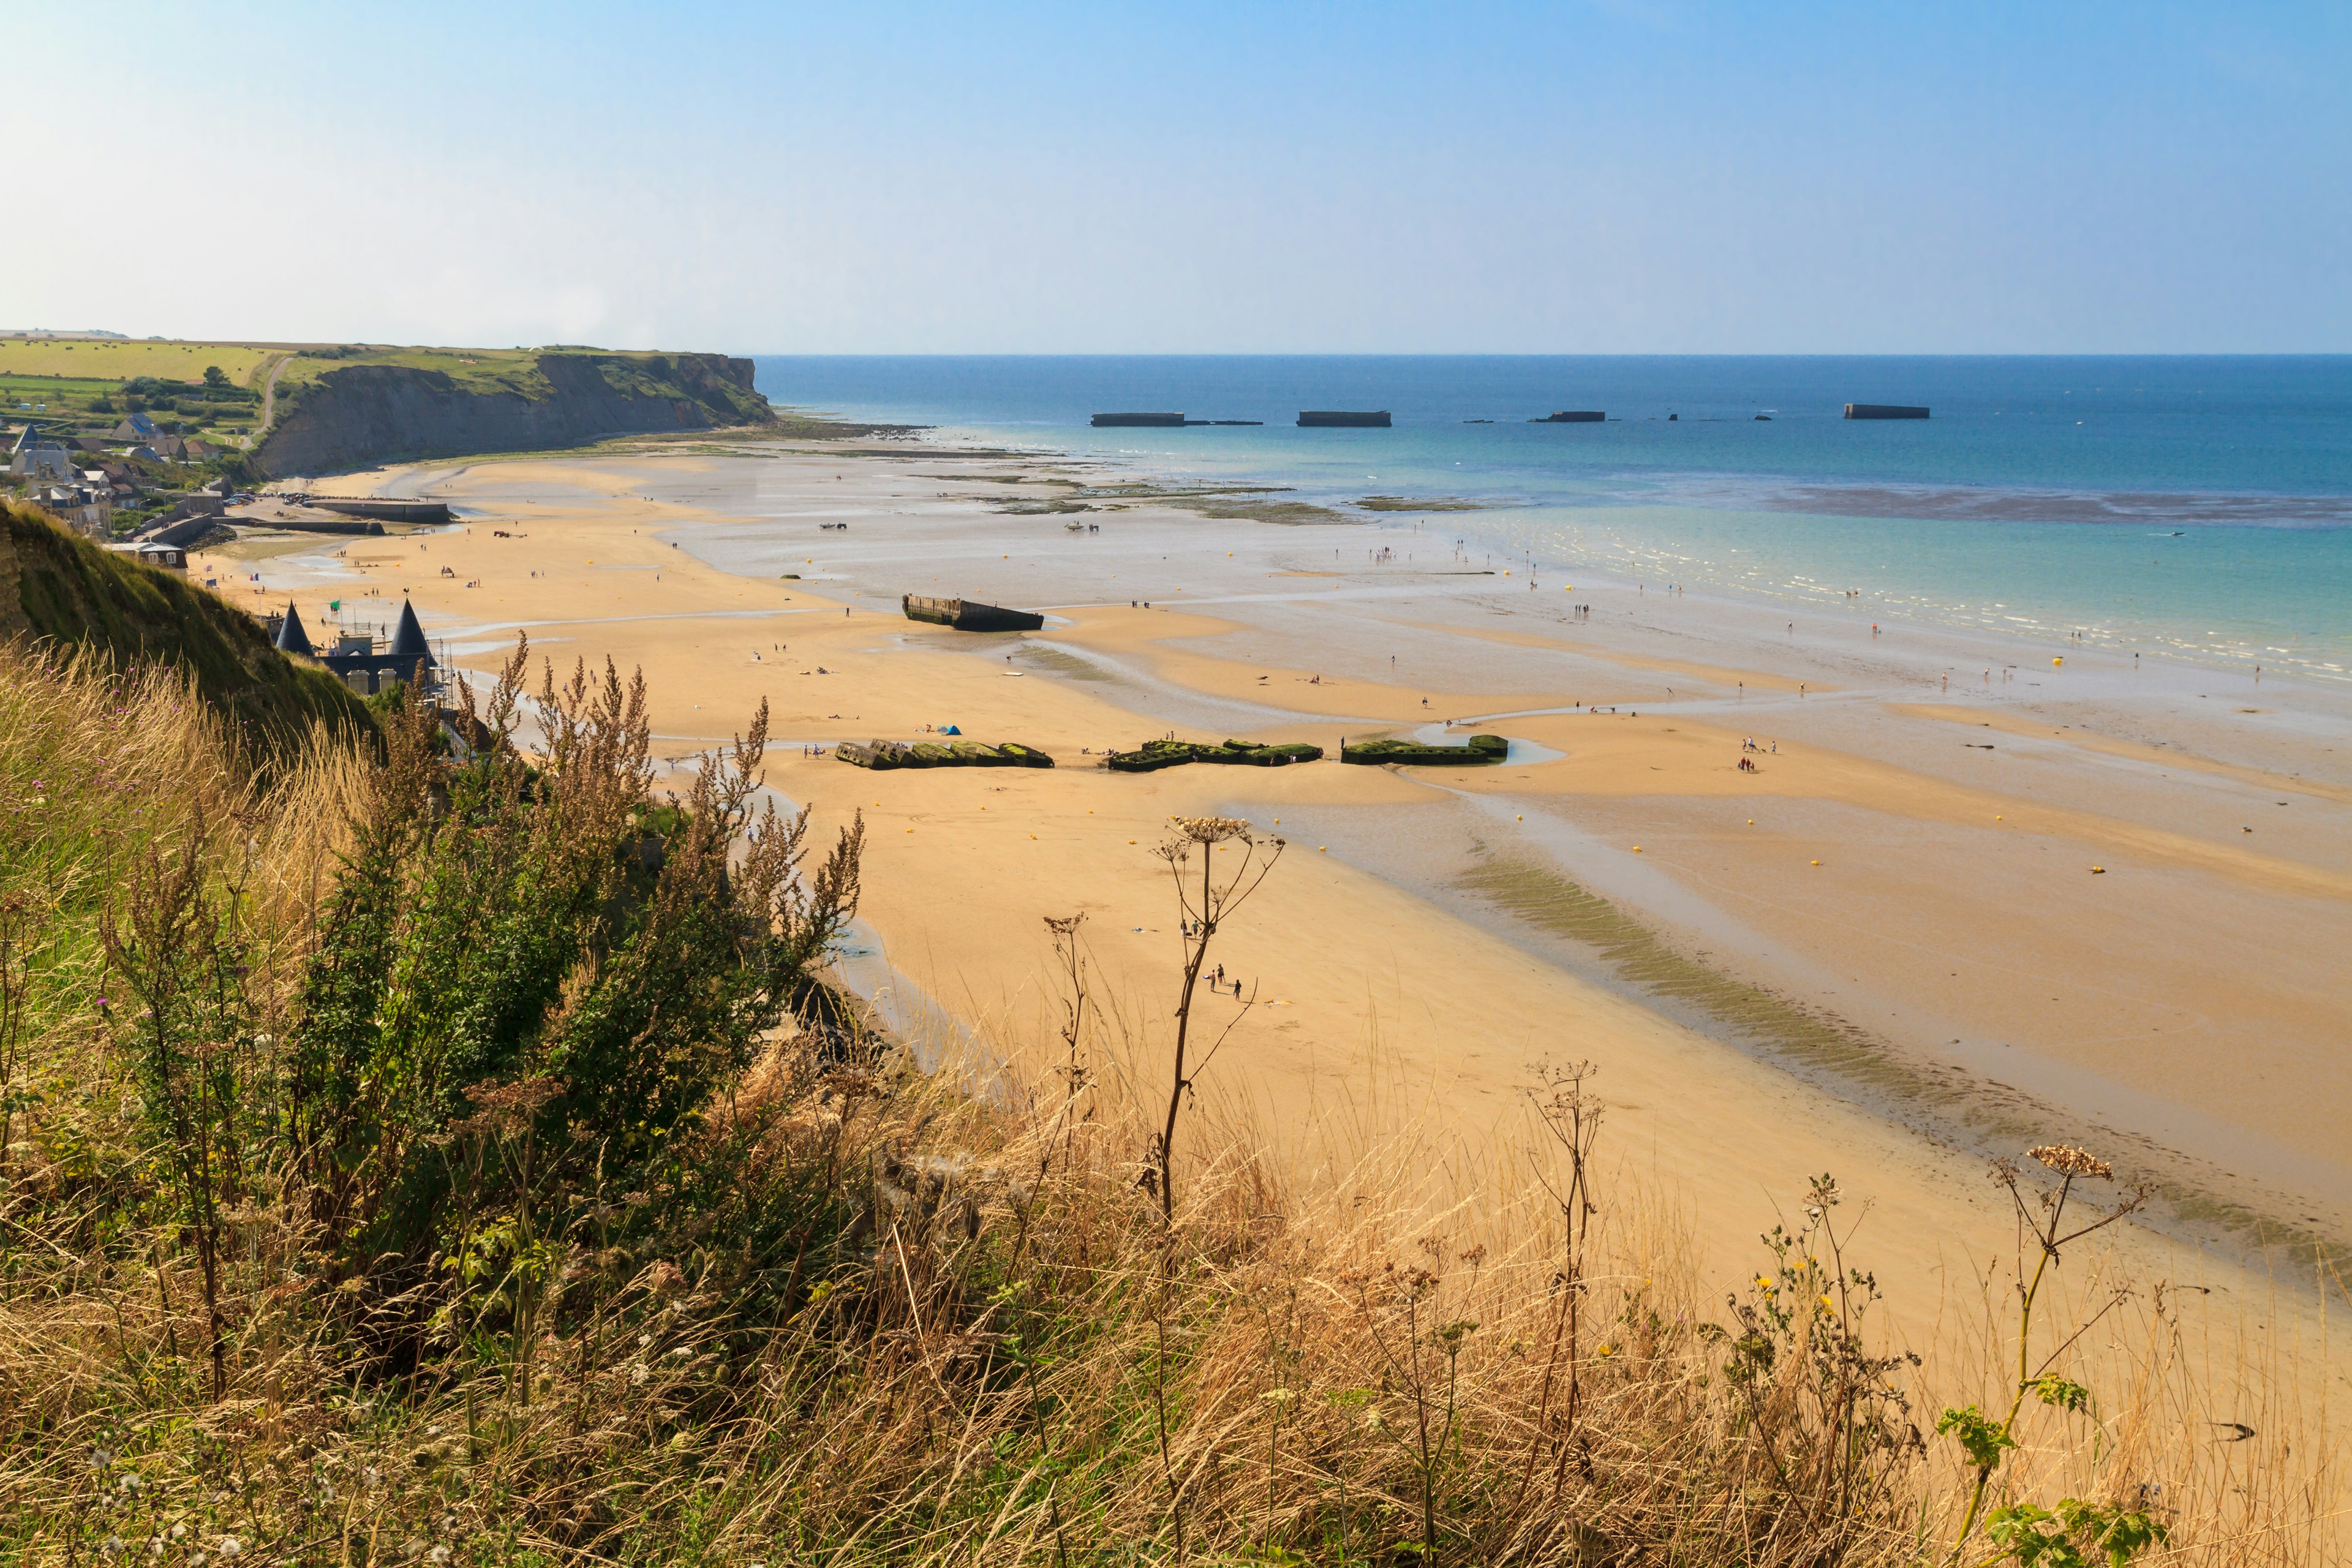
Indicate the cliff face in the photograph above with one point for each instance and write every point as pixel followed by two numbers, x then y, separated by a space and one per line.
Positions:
pixel 369 413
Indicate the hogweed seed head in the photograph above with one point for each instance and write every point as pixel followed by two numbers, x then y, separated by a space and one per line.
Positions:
pixel 2070 1161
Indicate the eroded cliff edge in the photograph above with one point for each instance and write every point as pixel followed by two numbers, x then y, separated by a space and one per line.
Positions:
pixel 363 414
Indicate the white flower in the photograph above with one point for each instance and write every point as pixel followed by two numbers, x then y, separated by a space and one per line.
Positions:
pixel 230 1546
pixel 112 1546
pixel 371 1476
pixel 439 1554
pixel 639 1373
pixel 179 1531
pixel 130 1481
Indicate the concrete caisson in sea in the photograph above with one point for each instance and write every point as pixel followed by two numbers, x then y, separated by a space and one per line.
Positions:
pixel 1572 416
pixel 1376 419
pixel 1884 411
pixel 969 615
pixel 1155 421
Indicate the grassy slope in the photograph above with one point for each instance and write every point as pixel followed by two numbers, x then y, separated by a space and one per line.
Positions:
pixel 471 370
pixel 72 592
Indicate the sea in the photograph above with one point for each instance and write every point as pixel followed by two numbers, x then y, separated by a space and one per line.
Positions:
pixel 2196 507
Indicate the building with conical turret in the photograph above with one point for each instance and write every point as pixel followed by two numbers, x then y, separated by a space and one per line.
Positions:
pixel 291 636
pixel 365 667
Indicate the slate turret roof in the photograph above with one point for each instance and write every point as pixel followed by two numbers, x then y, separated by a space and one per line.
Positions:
pixel 291 637
pixel 408 638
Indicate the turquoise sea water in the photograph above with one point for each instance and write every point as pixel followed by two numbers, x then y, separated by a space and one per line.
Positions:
pixel 2201 506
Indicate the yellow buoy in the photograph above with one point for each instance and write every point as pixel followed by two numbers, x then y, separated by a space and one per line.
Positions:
pixel 2056 662
pixel 2098 871
pixel 1637 850
pixel 1816 862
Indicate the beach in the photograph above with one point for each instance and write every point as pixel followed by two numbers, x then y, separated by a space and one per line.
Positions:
pixel 1979 892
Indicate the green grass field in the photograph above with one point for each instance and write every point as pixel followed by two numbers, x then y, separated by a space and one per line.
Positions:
pixel 118 362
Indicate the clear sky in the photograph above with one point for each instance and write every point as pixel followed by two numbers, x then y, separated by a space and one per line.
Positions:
pixel 1189 177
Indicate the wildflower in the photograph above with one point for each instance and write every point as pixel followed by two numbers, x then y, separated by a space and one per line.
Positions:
pixel 439 1554
pixel 638 1375
pixel 2070 1161
pixel 1608 1351
pixel 230 1546
pixel 130 1481
pixel 112 1546
pixel 179 1531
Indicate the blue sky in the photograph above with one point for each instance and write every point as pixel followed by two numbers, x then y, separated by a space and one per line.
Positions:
pixel 1200 177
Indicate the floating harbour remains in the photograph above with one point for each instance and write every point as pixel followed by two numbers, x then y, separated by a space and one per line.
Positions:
pixel 1572 416
pixel 1481 749
pixel 1170 752
pixel 1884 411
pixel 882 754
pixel 1376 419
pixel 969 615
pixel 1159 421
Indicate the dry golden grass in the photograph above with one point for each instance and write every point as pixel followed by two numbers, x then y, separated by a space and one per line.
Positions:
pixel 870 1317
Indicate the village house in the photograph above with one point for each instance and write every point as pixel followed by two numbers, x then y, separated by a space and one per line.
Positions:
pixel 34 455
pixel 82 508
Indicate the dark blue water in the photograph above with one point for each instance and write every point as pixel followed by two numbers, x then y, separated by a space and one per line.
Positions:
pixel 2199 505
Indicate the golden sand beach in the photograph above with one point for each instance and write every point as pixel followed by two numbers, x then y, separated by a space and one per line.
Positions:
pixel 1954 910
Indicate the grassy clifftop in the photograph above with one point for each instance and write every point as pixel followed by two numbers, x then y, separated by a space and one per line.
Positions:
pixel 58 587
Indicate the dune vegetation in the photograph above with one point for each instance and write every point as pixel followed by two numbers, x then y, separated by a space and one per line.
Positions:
pixel 422 1150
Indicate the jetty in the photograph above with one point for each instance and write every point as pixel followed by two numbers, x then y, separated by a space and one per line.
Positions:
pixel 969 615
pixel 383 509
pixel 1154 421
pixel 1572 416
pixel 1375 419
pixel 1884 411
